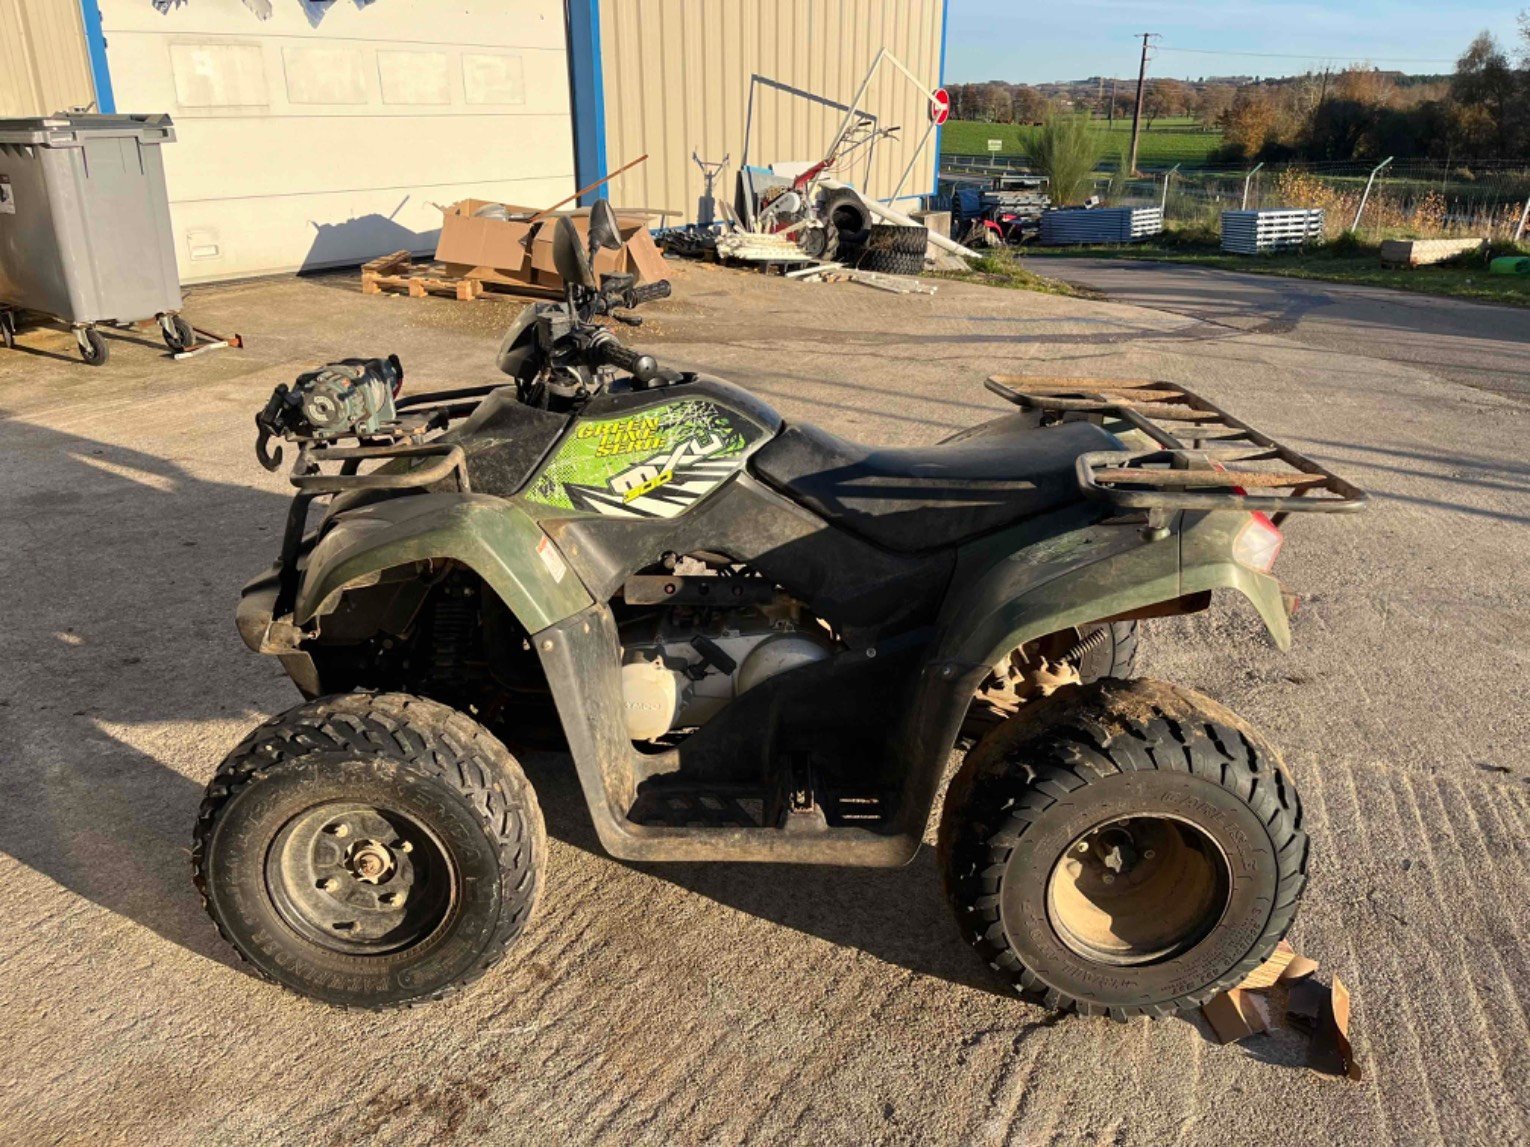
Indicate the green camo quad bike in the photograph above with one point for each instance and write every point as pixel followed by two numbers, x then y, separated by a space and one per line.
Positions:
pixel 758 642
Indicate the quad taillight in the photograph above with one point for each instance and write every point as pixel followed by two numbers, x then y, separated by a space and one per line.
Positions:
pixel 1258 543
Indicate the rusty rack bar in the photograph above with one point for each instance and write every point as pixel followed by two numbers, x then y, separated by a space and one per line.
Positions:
pixel 452 458
pixel 1202 455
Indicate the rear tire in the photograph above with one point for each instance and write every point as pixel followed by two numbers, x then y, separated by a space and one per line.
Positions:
pixel 370 851
pixel 1174 798
pixel 1114 655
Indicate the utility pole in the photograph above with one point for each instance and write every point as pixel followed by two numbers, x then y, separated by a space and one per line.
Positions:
pixel 1137 111
pixel 1112 102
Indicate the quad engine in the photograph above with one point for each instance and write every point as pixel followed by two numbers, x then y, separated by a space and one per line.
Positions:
pixel 681 668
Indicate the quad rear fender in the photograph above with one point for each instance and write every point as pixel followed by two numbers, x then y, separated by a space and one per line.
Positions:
pixel 1054 573
pixel 1093 572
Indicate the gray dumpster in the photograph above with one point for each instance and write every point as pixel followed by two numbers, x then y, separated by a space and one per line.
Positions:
pixel 85 224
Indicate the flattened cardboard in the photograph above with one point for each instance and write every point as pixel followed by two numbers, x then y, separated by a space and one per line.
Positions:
pixel 1284 966
pixel 1299 968
pixel 1236 1014
pixel 645 258
pixel 1267 973
pixel 1330 1050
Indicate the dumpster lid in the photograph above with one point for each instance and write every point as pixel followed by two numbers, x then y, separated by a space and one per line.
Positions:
pixel 68 129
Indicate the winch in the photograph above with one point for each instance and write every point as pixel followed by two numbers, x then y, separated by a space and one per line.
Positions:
pixel 350 398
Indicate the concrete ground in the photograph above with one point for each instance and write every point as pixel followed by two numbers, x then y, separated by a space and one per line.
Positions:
pixel 672 1003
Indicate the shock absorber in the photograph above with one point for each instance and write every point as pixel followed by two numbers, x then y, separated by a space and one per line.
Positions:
pixel 1087 644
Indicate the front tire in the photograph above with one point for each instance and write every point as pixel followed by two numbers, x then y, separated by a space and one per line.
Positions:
pixel 1125 848
pixel 370 851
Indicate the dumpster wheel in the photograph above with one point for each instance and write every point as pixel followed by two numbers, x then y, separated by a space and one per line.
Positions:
pixel 177 333
pixel 93 348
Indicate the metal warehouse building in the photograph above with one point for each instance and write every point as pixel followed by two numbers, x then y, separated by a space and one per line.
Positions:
pixel 323 132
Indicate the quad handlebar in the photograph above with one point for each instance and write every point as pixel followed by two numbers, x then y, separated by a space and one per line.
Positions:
pixel 606 351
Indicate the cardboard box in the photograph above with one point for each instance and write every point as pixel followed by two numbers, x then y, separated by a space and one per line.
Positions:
pixel 517 252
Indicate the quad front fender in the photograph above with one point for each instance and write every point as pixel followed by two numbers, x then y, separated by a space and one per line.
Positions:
pixel 493 537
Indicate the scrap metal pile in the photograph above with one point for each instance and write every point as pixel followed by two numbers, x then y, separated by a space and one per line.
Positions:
pixel 808 220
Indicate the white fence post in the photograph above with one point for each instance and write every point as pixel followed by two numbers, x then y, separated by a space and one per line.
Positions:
pixel 1246 178
pixel 1355 226
pixel 1524 217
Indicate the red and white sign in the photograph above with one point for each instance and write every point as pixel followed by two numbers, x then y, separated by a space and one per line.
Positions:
pixel 940 107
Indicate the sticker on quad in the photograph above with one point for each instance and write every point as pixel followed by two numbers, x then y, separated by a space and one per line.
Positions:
pixel 654 464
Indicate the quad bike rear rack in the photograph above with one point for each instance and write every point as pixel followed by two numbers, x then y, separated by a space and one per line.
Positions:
pixel 1207 459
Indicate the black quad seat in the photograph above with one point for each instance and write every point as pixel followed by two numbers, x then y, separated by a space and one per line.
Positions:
pixel 917 499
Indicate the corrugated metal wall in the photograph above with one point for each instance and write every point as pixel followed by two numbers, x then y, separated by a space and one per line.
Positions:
pixel 44 66
pixel 677 79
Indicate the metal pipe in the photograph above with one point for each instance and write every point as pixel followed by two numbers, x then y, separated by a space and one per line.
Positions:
pixel 1359 211
pixel 913 159
pixel 1246 178
pixel 855 103
pixel 1164 205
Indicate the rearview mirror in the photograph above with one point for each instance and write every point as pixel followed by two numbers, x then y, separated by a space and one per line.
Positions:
pixel 569 258
pixel 604 231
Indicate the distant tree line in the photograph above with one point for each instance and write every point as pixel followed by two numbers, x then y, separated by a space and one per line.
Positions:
pixel 1480 112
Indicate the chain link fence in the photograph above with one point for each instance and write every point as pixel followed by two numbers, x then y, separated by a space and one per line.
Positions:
pixel 1408 199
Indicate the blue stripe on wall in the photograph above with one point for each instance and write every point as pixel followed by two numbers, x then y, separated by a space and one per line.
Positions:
pixel 106 103
pixel 945 20
pixel 587 89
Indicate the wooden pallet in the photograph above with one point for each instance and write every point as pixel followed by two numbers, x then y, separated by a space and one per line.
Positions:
pixel 397 272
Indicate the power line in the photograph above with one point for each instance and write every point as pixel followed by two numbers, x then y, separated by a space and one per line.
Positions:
pixel 1293 56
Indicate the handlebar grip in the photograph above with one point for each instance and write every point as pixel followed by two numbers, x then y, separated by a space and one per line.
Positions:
pixel 649 292
pixel 611 353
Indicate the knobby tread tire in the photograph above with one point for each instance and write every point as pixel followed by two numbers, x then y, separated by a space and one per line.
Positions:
pixel 1081 736
pixel 897 237
pixel 1125 636
pixel 418 734
pixel 890 262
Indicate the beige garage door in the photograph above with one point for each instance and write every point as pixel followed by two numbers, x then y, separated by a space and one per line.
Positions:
pixel 327 135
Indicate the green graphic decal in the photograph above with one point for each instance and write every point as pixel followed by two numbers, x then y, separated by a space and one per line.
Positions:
pixel 653 464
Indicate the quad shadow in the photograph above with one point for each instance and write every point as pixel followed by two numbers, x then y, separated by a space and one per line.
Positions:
pixel 898 915
pixel 129 569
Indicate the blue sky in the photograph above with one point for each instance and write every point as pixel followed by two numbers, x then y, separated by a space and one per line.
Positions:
pixel 1027 41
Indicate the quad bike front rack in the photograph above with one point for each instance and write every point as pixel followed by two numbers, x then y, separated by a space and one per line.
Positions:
pixel 420 415
pixel 1206 460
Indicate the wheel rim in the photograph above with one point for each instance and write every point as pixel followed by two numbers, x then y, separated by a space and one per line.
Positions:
pixel 1138 890
pixel 361 880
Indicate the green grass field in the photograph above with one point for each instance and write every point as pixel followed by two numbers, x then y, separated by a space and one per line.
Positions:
pixel 1169 142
